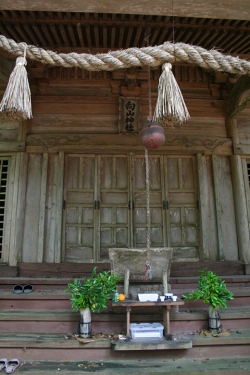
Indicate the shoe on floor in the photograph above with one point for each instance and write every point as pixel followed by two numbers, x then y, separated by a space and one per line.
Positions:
pixel 11 366
pixel 28 288
pixel 3 363
pixel 18 289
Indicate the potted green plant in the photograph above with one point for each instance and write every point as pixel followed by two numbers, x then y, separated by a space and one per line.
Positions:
pixel 212 290
pixel 91 295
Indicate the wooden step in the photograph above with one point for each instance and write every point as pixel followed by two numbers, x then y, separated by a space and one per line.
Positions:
pixel 57 298
pixel 237 284
pixel 56 321
pixel 178 269
pixel 119 366
pixel 152 344
pixel 30 347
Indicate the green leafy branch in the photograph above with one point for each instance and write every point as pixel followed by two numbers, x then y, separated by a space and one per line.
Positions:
pixel 211 289
pixel 93 292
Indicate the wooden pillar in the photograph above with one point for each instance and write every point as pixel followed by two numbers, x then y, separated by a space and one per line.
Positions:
pixel 165 281
pixel 166 320
pixel 20 181
pixel 240 209
pixel 59 208
pixel 126 283
pixel 204 254
pixel 218 207
pixel 128 310
pixel 9 251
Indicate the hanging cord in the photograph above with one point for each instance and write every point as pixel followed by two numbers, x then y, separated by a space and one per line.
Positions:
pixel 173 41
pixel 146 40
pixel 149 97
pixel 148 268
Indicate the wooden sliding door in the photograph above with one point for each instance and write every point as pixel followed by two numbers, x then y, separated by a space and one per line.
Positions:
pixel 105 205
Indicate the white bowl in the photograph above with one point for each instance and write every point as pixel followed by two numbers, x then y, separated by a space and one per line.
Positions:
pixel 174 298
pixel 168 294
pixel 151 297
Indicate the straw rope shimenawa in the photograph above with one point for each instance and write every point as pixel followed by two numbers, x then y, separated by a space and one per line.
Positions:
pixel 131 57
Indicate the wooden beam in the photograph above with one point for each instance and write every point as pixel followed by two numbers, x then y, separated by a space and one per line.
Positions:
pixel 12 146
pixel 240 208
pixel 240 149
pixel 224 9
pixel 6 67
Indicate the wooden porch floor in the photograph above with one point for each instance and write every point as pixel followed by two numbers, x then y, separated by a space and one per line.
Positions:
pixel 37 329
pixel 218 366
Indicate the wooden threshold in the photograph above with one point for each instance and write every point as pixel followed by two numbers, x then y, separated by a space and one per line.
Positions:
pixel 69 270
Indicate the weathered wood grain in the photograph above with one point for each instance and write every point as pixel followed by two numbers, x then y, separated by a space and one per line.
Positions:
pixel 8 235
pixel 8 271
pixel 135 259
pixel 221 268
pixel 41 224
pixel 59 203
pixel 231 10
pixel 97 143
pixel 241 149
pixel 12 146
pixel 32 214
pixel 225 209
pixel 242 219
pixel 61 270
pixel 152 344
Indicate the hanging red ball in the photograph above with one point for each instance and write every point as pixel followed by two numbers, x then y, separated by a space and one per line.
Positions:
pixel 152 135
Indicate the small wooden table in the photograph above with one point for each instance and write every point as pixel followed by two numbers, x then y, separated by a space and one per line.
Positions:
pixel 166 306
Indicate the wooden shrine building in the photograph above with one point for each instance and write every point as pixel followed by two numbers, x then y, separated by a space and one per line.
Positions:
pixel 73 177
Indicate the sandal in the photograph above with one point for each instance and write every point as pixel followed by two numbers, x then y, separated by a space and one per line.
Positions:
pixel 18 289
pixel 3 363
pixel 11 366
pixel 28 288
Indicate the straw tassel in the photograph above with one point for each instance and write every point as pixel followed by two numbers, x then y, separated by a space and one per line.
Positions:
pixel 16 102
pixel 170 106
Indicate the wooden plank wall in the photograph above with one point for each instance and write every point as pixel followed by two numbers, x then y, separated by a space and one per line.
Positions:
pixel 225 212
pixel 217 212
pixel 89 103
pixel 90 108
pixel 100 114
pixel 208 230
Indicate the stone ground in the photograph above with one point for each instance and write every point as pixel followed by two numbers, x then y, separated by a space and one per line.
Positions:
pixel 218 366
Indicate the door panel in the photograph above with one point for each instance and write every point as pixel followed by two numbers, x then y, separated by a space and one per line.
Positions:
pixel 80 217
pixel 114 201
pixel 105 199
pixel 156 188
pixel 182 213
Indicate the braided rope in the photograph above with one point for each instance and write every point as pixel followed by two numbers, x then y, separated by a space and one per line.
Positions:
pixel 132 57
